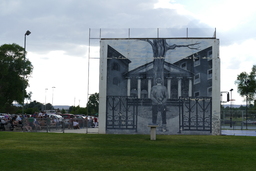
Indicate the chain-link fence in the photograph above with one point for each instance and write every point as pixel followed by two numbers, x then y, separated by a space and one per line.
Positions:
pixel 238 119
pixel 51 125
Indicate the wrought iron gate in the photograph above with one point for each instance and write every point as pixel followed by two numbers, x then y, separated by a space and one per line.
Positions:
pixel 122 112
pixel 195 114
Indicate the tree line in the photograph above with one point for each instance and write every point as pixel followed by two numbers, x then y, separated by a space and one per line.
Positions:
pixel 35 106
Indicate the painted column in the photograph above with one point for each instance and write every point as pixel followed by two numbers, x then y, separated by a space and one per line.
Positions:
pixel 169 86
pixel 179 86
pixel 139 87
pixel 190 87
pixel 216 119
pixel 128 86
pixel 149 86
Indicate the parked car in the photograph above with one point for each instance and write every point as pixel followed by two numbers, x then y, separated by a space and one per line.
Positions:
pixel 67 118
pixel 80 116
pixel 58 117
pixel 249 122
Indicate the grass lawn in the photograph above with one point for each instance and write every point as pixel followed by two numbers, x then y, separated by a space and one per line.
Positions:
pixel 56 151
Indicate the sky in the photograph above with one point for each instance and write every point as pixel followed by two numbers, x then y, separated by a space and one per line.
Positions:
pixel 58 45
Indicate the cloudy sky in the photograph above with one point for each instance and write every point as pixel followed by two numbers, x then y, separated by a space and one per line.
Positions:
pixel 58 43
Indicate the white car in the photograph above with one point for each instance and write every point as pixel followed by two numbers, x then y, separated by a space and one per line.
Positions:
pixel 60 118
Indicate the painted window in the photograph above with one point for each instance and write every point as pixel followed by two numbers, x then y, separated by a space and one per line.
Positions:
pixel 197 78
pixel 209 55
pixel 209 91
pixel 209 74
pixel 134 92
pixel 197 94
pixel 196 60
pixel 183 65
pixel 144 94
pixel 116 81
pixel 115 66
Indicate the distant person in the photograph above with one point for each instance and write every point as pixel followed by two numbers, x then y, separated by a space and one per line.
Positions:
pixel 36 124
pixel 40 114
pixel 95 121
pixel 26 125
pixel 18 119
pixel 91 125
pixel 159 97
pixel 31 121
pixel 76 124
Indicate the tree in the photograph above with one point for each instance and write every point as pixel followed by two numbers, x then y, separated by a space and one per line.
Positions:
pixel 93 103
pixel 159 48
pixel 49 106
pixel 63 111
pixel 246 84
pixel 15 70
pixel 35 105
pixel 77 110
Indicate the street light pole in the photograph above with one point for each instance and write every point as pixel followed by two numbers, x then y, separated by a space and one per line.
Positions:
pixel 230 108
pixel 247 82
pixel 52 94
pixel 45 98
pixel 246 110
pixel 26 34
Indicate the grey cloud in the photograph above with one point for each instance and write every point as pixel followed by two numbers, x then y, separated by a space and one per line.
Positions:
pixel 64 24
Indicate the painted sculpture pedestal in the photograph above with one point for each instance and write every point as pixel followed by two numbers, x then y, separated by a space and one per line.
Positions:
pixel 153 131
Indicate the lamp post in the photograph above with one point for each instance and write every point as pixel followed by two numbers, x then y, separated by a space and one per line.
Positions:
pixel 52 95
pixel 45 98
pixel 247 82
pixel 231 115
pixel 26 34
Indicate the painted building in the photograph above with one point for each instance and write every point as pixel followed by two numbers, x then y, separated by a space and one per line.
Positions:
pixel 178 72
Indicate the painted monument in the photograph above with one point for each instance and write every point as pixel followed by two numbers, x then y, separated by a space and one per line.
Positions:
pixel 173 83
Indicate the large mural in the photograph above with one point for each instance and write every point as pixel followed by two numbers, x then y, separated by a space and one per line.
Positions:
pixel 165 82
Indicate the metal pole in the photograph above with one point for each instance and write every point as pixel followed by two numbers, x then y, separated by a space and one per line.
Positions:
pixel 52 95
pixel 242 120
pixel 23 90
pixel 230 109
pixel 88 75
pixel 45 98
pixel 247 82
pixel 246 111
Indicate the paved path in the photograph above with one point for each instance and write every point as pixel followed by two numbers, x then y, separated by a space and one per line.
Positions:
pixel 83 131
pixel 223 132
pixel 78 131
pixel 239 132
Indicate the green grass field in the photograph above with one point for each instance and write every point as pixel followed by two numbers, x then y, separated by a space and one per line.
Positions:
pixel 56 151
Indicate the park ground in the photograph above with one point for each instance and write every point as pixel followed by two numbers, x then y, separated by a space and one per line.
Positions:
pixel 93 151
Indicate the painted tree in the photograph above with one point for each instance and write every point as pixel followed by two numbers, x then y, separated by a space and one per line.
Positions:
pixel 160 48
